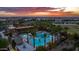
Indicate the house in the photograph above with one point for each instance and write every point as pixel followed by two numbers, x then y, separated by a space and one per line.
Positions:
pixel 2 35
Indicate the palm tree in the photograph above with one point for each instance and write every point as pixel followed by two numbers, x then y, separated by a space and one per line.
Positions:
pixel 13 44
pixel 34 35
pixel 45 36
pixel 54 31
pixel 27 39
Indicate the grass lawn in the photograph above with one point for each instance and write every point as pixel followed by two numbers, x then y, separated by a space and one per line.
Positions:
pixel 73 30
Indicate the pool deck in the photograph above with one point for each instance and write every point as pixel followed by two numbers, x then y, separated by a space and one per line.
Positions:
pixel 25 47
pixel 20 27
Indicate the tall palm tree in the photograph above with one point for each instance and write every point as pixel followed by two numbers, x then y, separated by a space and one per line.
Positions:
pixel 27 38
pixel 34 35
pixel 53 31
pixel 45 36
pixel 13 44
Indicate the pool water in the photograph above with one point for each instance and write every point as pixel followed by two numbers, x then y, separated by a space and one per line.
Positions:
pixel 39 40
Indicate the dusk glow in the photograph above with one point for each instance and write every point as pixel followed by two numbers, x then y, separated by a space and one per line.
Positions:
pixel 38 11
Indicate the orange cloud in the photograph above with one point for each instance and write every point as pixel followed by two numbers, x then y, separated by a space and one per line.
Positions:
pixel 34 11
pixel 4 13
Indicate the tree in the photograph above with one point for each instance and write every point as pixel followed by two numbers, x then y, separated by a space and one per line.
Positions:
pixel 65 29
pixel 34 35
pixel 55 29
pixel 45 36
pixel 51 45
pixel 41 48
pixel 76 36
pixel 77 23
pixel 13 44
pixel 76 39
pixel 4 43
pixel 67 49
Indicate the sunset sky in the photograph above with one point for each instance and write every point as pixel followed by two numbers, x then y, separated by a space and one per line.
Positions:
pixel 39 11
pixel 40 8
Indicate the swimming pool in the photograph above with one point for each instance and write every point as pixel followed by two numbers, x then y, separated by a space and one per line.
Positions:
pixel 39 40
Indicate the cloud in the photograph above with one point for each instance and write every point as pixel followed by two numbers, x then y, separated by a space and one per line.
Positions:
pixel 39 11
pixel 5 13
pixel 57 9
pixel 73 10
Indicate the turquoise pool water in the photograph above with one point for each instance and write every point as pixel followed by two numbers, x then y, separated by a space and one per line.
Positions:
pixel 39 39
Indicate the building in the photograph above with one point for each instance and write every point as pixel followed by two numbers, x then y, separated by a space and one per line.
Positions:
pixel 57 20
